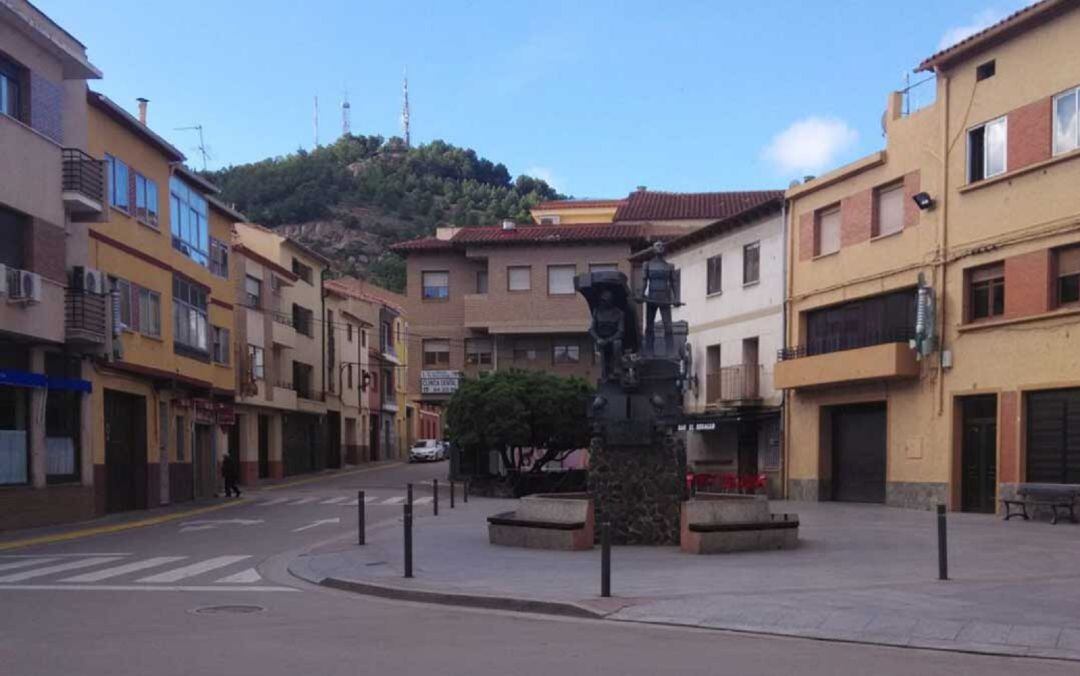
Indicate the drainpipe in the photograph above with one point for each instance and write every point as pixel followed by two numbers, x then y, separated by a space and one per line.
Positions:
pixel 784 215
pixel 944 234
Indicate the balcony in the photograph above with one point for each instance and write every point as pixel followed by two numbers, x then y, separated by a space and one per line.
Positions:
pixel 84 317
pixel 734 385
pixel 282 331
pixel 887 358
pixel 83 180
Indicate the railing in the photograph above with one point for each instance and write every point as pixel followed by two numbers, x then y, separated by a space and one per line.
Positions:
pixel 84 315
pixel 307 393
pixel 284 319
pixel 846 341
pixel 734 383
pixel 83 174
pixel 251 301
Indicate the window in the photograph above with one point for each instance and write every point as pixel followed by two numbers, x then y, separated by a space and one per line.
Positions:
pixel 712 275
pixel 146 199
pixel 363 337
pixel 524 351
pixel 827 232
pixel 10 89
pixel 222 346
pixel 61 421
pixel 481 281
pixel 751 263
pixel 987 291
pixel 348 332
pixel 219 258
pixel 14 435
pixel 986 150
pixel 118 182
pixel 603 267
pixel 1066 128
pixel 190 224
pixel 888 210
pixel 148 320
pixel 561 279
pixel 256 362
pixel 985 70
pixel 478 351
pixel 874 320
pixel 300 270
pixel 180 437
pixel 252 292
pixel 1068 275
pixel 302 380
pixel 123 290
pixel 436 285
pixel 549 220
pixel 436 352
pixel 303 320
pixel 388 385
pixel 348 372
pixel 190 325
pixel 518 278
pixel 566 353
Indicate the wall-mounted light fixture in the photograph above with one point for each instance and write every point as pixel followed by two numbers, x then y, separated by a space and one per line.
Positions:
pixel 924 201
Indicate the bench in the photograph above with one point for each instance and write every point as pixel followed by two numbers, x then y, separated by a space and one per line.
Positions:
pixel 721 523
pixel 1060 498
pixel 552 521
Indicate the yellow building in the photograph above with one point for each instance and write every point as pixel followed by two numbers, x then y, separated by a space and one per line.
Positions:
pixel 162 398
pixel 572 212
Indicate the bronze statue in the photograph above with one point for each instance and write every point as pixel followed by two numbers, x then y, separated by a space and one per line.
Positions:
pixel 658 283
pixel 607 330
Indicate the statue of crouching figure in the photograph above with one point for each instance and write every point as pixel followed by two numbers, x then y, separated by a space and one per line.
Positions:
pixel 607 329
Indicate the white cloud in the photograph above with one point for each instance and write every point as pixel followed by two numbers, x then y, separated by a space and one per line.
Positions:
pixel 983 19
pixel 545 174
pixel 810 145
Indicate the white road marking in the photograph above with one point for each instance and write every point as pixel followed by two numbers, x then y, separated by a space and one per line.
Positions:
pixel 275 501
pixel 117 571
pixel 244 576
pixel 421 501
pixel 396 500
pixel 24 563
pixel 332 501
pixel 317 523
pixel 58 568
pixel 211 524
pixel 368 499
pixel 303 501
pixel 192 570
pixel 126 587
pixel 51 555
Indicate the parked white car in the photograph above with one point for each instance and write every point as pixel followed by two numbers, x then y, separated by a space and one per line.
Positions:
pixel 428 450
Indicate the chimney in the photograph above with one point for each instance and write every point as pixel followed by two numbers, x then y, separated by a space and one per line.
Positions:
pixel 508 224
pixel 142 109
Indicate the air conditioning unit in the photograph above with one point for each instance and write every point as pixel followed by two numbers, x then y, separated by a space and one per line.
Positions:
pixel 94 281
pixel 3 280
pixel 24 286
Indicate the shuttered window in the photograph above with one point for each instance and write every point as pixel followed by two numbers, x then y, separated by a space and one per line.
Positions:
pixel 986 292
pixel 713 283
pixel 1053 437
pixel 1068 275
pixel 827 232
pixel 888 210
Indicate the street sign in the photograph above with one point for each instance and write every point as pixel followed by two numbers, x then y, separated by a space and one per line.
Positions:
pixel 439 382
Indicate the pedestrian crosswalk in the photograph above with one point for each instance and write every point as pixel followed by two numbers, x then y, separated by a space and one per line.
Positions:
pixel 342 501
pixel 128 572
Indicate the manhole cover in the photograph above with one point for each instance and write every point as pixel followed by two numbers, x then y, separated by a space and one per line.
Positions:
pixel 229 610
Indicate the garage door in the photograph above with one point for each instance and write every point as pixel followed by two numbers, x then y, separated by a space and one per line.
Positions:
pixel 1053 436
pixel 859 453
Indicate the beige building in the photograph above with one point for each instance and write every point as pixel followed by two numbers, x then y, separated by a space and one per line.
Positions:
pixel 50 188
pixel 353 317
pixel 975 195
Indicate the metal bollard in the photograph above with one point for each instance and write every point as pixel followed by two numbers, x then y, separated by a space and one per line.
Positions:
pixel 435 494
pixel 408 531
pixel 451 495
pixel 360 525
pixel 942 545
pixel 605 559
pixel 465 490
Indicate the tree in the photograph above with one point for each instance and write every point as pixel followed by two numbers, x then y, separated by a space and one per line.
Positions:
pixel 520 414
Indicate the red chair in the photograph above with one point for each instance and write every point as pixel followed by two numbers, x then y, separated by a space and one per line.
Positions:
pixel 729 483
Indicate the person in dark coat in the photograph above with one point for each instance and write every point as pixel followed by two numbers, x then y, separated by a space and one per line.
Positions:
pixel 230 471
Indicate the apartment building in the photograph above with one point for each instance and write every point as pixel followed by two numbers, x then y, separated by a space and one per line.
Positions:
pixel 352 316
pixel 163 395
pixel 731 276
pixel 50 189
pixel 574 212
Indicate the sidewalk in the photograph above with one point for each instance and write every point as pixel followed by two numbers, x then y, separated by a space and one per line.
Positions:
pixel 862 573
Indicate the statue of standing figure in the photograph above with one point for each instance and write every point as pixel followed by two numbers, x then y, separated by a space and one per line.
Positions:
pixel 659 294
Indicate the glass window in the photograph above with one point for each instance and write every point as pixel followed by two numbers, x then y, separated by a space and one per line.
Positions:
pixel 14 435
pixel 10 89
pixel 1068 275
pixel 827 237
pixel 478 351
pixel 303 320
pixel 518 278
pixel 436 284
pixel 566 353
pixel 986 150
pixel 712 275
pixel 524 351
pixel 190 323
pixel 888 210
pixel 219 258
pixel 123 289
pixel 481 281
pixel 751 263
pixel 1066 128
pixel 256 369
pixel 61 421
pixel 140 196
pixel 987 292
pixel 302 271
pixel 118 182
pixel 189 221
pixel 436 352
pixel 603 267
pixel 252 291
pixel 561 279
pixel 149 312
pixel 222 346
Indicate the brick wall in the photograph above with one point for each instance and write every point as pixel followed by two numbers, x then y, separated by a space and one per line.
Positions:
pixel 806 236
pixel 46 107
pixel 1009 453
pixel 856 217
pixel 1027 284
pixel 912 183
pixel 1029 134
pixel 44 250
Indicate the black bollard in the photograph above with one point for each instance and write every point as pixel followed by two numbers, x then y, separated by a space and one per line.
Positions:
pixel 451 495
pixel 435 494
pixel 360 525
pixel 942 545
pixel 465 490
pixel 605 559
pixel 408 531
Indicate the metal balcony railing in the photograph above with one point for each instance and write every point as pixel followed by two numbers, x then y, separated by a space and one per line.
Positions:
pixel 84 316
pixel 845 341
pixel 83 174
pixel 734 383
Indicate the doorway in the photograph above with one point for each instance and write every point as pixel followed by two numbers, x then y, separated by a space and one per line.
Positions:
pixel 205 467
pixel 859 453
pixel 978 480
pixel 264 447
pixel 125 451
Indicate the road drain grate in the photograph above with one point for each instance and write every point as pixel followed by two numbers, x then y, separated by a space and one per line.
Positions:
pixel 229 610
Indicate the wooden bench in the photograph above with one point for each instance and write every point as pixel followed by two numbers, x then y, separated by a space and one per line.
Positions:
pixel 1060 498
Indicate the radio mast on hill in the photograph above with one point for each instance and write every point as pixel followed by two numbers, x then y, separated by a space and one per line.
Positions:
pixel 346 123
pixel 405 110
pixel 316 121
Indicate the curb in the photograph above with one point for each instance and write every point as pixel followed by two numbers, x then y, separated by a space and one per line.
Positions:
pixel 560 608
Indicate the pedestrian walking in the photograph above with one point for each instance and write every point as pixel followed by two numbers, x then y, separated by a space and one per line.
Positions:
pixel 230 471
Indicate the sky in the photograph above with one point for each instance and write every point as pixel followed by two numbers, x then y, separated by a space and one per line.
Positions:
pixel 595 97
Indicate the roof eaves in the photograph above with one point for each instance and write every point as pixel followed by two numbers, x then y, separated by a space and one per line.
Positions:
pixel 115 111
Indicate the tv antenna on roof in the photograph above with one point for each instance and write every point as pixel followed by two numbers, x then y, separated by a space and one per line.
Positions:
pixel 202 148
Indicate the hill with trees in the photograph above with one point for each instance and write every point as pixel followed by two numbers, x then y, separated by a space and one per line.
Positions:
pixel 352 199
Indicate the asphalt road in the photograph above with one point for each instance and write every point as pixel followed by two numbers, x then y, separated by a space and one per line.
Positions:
pixel 136 602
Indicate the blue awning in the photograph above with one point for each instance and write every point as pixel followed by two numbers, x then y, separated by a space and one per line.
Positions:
pixel 14 378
